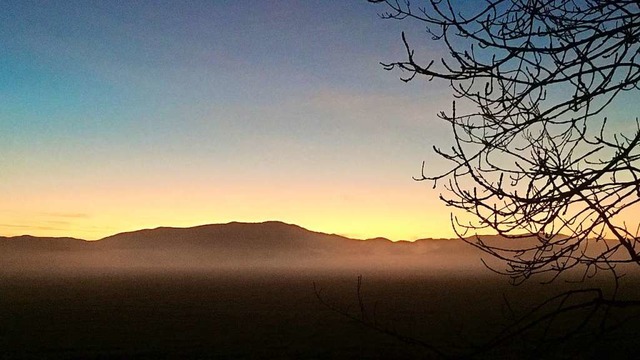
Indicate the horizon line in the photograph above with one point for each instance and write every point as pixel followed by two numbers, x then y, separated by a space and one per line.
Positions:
pixel 228 223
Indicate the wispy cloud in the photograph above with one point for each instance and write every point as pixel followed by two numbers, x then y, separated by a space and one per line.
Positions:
pixel 380 109
pixel 32 227
pixel 66 215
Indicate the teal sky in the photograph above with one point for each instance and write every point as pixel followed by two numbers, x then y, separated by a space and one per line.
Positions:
pixel 119 115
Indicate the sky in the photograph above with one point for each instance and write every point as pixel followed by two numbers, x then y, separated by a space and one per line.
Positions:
pixel 118 116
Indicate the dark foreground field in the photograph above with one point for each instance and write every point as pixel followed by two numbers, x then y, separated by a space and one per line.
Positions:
pixel 260 314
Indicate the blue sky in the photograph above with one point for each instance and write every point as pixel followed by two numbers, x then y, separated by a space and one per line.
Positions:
pixel 123 115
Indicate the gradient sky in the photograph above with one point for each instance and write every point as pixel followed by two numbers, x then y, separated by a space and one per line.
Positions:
pixel 122 115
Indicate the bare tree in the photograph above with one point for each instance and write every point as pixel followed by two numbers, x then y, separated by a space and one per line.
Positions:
pixel 534 160
pixel 542 155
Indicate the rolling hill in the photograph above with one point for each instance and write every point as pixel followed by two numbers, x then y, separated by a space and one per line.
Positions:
pixel 231 246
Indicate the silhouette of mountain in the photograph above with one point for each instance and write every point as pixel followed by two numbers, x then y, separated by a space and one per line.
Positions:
pixel 28 242
pixel 232 245
pixel 265 236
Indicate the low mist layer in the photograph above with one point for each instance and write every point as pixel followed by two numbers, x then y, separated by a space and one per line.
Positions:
pixel 233 246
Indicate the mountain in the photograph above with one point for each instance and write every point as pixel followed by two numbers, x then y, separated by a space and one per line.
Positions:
pixel 234 245
pixel 271 236
pixel 27 242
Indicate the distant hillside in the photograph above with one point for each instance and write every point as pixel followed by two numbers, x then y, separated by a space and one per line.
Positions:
pixel 269 236
pixel 230 246
pixel 28 243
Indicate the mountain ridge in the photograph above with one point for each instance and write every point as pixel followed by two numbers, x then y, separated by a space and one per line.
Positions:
pixel 234 245
pixel 231 223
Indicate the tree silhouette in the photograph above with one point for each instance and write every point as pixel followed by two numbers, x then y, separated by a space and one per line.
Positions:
pixel 535 159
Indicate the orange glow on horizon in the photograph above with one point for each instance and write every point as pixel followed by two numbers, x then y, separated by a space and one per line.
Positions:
pixel 355 211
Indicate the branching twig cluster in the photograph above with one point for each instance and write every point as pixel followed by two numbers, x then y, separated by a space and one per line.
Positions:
pixel 534 161
pixel 583 315
pixel 363 317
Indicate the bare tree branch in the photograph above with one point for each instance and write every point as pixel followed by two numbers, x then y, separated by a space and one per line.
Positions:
pixel 535 162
